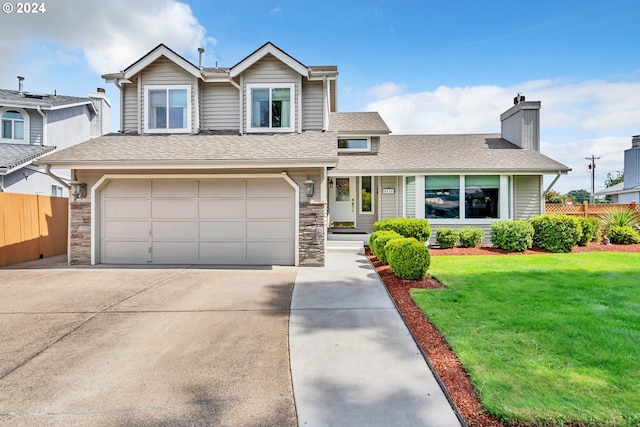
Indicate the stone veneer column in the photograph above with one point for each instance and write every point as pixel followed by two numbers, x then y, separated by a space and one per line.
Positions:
pixel 80 233
pixel 312 238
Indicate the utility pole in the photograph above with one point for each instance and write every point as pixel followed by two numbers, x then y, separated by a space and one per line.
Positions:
pixel 592 168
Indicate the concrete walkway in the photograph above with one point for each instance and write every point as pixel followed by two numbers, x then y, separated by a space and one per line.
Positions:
pixel 353 360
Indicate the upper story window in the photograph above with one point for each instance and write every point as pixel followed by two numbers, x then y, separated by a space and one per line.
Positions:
pixel 168 109
pixel 15 126
pixel 354 144
pixel 270 108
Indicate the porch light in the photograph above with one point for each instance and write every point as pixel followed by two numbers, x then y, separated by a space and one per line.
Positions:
pixel 78 190
pixel 330 182
pixel 309 186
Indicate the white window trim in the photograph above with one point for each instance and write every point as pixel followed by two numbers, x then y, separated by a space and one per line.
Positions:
pixel 373 205
pixel 145 114
pixel 27 126
pixel 355 150
pixel 292 118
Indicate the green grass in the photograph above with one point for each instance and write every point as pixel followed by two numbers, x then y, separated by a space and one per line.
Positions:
pixel 547 339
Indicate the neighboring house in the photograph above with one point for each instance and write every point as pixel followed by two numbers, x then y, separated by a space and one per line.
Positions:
pixel 628 190
pixel 34 124
pixel 253 164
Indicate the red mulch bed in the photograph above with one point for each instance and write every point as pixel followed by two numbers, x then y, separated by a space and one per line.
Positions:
pixel 440 355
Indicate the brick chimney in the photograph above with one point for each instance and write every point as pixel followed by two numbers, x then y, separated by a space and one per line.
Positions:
pixel 632 164
pixel 521 124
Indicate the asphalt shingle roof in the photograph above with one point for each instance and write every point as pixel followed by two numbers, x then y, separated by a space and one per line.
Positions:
pixel 354 123
pixel 44 100
pixel 161 149
pixel 15 155
pixel 441 153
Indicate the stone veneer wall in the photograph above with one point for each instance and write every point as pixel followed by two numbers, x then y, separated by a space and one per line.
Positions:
pixel 80 233
pixel 313 227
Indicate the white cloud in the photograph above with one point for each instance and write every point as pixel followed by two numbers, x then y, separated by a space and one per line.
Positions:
pixel 386 90
pixel 578 119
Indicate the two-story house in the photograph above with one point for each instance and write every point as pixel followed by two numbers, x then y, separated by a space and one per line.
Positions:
pixel 34 124
pixel 253 164
pixel 629 190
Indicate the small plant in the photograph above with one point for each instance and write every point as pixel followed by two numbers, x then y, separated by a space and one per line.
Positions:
pixel 470 237
pixel 409 259
pixel 619 217
pixel 590 231
pixel 623 235
pixel 417 228
pixel 378 241
pixel 512 235
pixel 556 232
pixel 446 237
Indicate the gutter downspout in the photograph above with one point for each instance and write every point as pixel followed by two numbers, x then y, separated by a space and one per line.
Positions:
pixel 47 170
pixel 552 183
pixel 44 124
pixel 1 183
pixel 120 88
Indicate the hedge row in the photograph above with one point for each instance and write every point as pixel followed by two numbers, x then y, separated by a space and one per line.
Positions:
pixel 400 242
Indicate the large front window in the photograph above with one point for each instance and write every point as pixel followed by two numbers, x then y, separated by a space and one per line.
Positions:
pixel 168 109
pixel 270 108
pixel 442 196
pixel 13 126
pixel 479 197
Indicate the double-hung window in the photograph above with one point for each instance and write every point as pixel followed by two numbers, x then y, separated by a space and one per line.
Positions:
pixel 270 108
pixel 14 126
pixel 168 109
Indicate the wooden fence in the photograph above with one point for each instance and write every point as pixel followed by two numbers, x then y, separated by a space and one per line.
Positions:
pixel 587 210
pixel 32 227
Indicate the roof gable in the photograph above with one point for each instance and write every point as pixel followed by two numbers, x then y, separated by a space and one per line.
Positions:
pixel 153 55
pixel 265 49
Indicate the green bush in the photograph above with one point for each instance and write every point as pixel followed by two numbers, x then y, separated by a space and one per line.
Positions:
pixel 556 232
pixel 623 235
pixel 512 235
pixel 417 228
pixel 378 241
pixel 409 259
pixel 590 230
pixel 446 237
pixel 470 237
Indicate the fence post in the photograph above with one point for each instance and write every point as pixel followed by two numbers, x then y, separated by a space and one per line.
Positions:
pixel 585 208
pixel 633 206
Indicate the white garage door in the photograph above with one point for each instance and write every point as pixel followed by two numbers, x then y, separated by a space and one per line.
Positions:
pixel 198 221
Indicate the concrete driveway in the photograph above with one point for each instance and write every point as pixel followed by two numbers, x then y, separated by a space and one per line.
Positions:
pixel 146 346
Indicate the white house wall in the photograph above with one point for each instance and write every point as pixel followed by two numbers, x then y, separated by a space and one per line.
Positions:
pixel 220 106
pixel 68 127
pixel 30 180
pixel 527 191
pixel 312 92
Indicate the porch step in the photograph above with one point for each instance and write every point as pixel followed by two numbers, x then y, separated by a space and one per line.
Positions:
pixel 346 246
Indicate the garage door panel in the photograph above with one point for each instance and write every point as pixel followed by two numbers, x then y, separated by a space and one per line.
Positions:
pixel 174 230
pixel 177 209
pixel 269 230
pixel 126 250
pixel 173 189
pixel 127 229
pixel 222 230
pixel 127 188
pixel 131 209
pixel 272 208
pixel 222 252
pixel 221 209
pixel 174 252
pixel 225 188
pixel 268 188
pixel 269 252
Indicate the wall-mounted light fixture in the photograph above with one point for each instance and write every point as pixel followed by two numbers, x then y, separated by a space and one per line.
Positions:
pixel 309 186
pixel 78 190
pixel 330 182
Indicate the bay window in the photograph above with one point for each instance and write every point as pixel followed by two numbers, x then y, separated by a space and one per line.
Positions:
pixel 270 108
pixel 168 109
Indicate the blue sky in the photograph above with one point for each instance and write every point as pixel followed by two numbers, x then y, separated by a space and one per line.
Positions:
pixel 426 66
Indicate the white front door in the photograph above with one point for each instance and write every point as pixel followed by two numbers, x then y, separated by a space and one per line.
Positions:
pixel 342 205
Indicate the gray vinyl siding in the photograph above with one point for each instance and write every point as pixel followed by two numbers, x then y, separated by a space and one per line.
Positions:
pixel 527 196
pixel 375 144
pixel 411 197
pixel 130 107
pixel 269 70
pixel 220 107
pixel 312 105
pixel 391 204
pixel 35 128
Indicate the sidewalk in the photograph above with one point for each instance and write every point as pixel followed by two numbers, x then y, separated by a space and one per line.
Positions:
pixel 353 360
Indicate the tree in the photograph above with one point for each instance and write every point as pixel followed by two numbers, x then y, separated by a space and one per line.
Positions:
pixel 612 180
pixel 554 197
pixel 579 196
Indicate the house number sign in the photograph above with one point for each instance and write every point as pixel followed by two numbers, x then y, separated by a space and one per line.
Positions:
pixel 388 191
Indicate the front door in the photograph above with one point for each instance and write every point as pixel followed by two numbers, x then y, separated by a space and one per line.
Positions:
pixel 342 202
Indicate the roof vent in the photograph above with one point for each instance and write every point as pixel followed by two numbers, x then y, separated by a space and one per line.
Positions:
pixel 200 51
pixel 518 99
pixel 20 84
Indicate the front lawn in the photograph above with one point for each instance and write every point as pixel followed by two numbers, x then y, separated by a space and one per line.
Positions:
pixel 547 339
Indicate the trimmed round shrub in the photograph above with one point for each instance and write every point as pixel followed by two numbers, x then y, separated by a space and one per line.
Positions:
pixel 470 237
pixel 417 228
pixel 409 259
pixel 378 241
pixel 512 235
pixel 556 232
pixel 623 235
pixel 446 237
pixel 590 230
